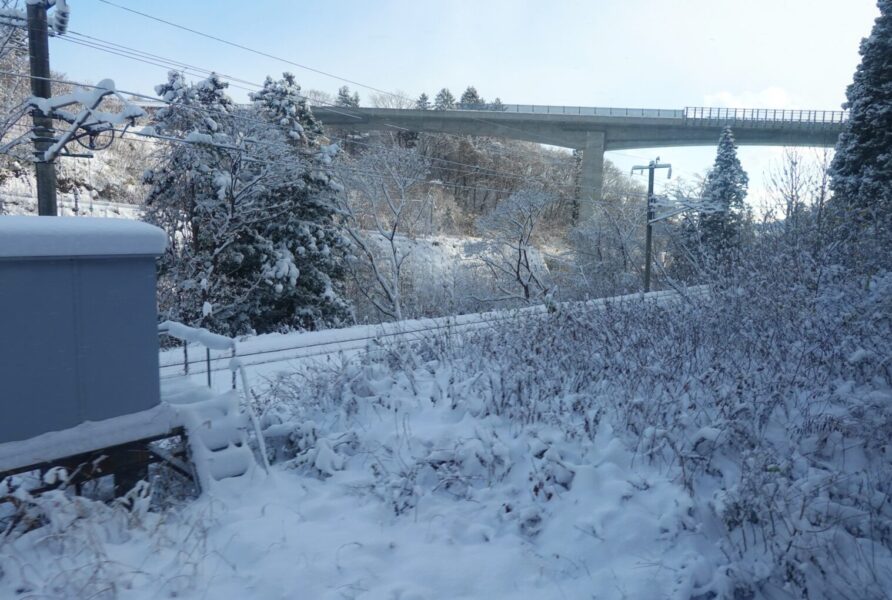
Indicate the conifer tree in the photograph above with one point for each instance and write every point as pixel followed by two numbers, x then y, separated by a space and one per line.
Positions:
pixel 444 100
pixel 861 172
pixel 306 235
pixel 423 102
pixel 721 227
pixel 282 103
pixel 470 98
pixel 192 197
pixel 242 215
pixel 346 99
pixel 497 105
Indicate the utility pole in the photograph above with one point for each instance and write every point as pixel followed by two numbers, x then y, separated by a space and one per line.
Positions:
pixel 39 51
pixel 648 238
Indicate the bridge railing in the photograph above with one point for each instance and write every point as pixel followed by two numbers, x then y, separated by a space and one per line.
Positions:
pixel 591 111
pixel 691 114
pixel 710 115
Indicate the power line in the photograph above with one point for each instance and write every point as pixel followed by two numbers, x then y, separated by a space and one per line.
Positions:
pixel 138 55
pixel 129 49
pixel 247 49
pixel 134 54
pixel 285 60
pixel 203 110
pixel 172 63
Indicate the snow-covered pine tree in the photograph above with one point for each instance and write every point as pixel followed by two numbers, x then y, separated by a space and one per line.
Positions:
pixel 861 172
pixel 423 102
pixel 346 99
pixel 188 184
pixel 444 100
pixel 722 227
pixel 283 104
pixel 211 194
pixel 470 97
pixel 306 237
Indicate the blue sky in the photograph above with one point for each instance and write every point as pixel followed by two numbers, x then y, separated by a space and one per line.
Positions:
pixel 635 53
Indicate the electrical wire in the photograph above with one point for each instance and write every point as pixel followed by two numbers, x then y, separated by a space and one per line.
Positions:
pixel 470 167
pixel 283 60
pixel 135 54
pixel 251 50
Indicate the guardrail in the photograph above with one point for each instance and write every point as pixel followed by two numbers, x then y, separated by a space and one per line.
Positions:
pixel 764 115
pixel 689 113
pixel 590 111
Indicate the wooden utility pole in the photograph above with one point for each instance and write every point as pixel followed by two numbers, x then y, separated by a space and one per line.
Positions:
pixel 648 238
pixel 39 52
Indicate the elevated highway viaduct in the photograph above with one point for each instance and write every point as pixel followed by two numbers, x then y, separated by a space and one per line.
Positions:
pixel 596 130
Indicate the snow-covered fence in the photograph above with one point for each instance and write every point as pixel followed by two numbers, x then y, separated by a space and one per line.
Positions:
pixel 270 349
pixel 213 341
pixel 210 341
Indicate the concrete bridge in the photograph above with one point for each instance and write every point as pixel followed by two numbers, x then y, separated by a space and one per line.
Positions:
pixel 596 130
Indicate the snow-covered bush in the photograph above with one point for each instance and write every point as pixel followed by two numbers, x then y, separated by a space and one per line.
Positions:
pixel 509 254
pixel 768 400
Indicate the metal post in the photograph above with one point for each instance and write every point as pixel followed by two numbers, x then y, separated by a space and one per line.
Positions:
pixel 39 53
pixel 648 241
pixel 208 363
pixel 233 371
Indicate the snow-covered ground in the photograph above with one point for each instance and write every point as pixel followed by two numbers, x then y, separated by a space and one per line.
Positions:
pixel 422 497
pixel 26 204
pixel 595 452
pixel 410 492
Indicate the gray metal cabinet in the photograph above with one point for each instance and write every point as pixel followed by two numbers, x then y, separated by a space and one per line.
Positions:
pixel 78 322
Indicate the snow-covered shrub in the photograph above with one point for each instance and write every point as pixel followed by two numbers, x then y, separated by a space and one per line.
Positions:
pixel 79 533
pixel 770 400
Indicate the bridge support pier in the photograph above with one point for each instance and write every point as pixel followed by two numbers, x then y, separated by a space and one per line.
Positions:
pixel 592 174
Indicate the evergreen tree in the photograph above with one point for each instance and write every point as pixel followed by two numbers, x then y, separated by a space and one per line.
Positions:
pixel 346 99
pixel 861 171
pixel 423 103
pixel 470 98
pixel 282 103
pixel 306 235
pixel 190 189
pixel 722 226
pixel 228 204
pixel 497 105
pixel 444 100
